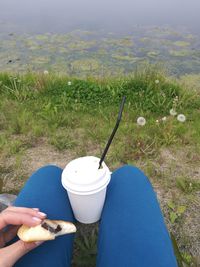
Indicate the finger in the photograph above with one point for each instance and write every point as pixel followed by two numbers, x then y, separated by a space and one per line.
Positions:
pixel 22 209
pixel 14 252
pixel 31 211
pixel 15 218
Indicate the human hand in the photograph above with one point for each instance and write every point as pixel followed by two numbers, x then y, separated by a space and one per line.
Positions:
pixel 13 217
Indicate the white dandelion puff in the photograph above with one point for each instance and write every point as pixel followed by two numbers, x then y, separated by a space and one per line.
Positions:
pixel 141 121
pixel 157 121
pixel 69 83
pixel 46 72
pixel 164 118
pixel 157 81
pixel 173 112
pixel 181 118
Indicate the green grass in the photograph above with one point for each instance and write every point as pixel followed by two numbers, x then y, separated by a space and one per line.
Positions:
pixel 186 185
pixel 86 248
pixel 37 108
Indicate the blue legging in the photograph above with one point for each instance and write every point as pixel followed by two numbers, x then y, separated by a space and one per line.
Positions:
pixel 132 232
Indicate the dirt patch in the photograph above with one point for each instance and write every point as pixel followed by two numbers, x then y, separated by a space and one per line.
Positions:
pixel 14 174
pixel 175 164
pixel 33 159
pixel 37 157
pixel 182 162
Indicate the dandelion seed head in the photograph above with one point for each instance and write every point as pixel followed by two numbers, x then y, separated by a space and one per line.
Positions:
pixel 46 72
pixel 69 83
pixel 164 118
pixel 181 118
pixel 141 121
pixel 157 81
pixel 173 112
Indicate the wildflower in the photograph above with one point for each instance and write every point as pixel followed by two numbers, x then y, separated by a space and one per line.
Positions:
pixel 181 118
pixel 69 83
pixel 141 121
pixel 176 99
pixel 164 118
pixel 46 72
pixel 157 121
pixel 157 81
pixel 173 112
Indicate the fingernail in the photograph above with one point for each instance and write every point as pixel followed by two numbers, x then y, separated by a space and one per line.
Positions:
pixel 39 243
pixel 36 219
pixel 42 214
pixel 35 209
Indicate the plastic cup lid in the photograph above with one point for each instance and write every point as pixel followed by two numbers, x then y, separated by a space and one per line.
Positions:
pixel 82 176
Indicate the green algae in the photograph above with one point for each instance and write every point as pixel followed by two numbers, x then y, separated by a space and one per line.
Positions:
pixel 181 43
pixel 79 51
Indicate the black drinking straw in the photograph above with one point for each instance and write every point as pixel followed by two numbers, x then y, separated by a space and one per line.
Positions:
pixel 113 132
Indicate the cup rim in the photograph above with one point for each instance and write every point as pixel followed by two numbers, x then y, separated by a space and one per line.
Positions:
pixel 91 192
pixel 85 188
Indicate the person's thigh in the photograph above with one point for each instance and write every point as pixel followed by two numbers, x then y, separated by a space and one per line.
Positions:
pixel 132 229
pixel 43 190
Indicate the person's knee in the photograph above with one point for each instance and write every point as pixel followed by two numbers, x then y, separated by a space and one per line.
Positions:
pixel 130 173
pixel 50 167
pixel 47 172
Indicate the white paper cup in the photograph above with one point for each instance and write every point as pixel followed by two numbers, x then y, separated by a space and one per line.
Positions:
pixel 86 187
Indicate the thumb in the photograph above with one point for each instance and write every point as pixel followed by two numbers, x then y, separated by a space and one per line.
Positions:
pixel 14 252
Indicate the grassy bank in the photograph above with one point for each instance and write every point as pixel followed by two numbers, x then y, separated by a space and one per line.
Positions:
pixel 52 119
